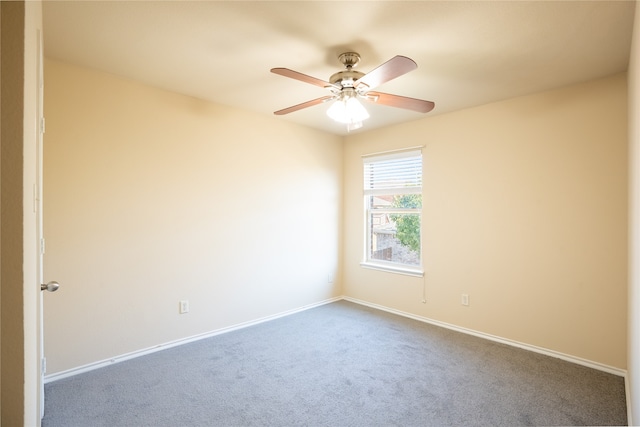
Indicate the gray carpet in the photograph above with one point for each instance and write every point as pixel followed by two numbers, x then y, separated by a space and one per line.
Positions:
pixel 340 364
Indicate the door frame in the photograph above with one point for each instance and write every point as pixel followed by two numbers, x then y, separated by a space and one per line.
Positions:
pixel 39 218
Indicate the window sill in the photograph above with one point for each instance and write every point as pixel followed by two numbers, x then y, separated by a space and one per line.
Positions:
pixel 393 269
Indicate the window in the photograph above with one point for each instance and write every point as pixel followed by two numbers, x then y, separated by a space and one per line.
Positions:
pixel 393 208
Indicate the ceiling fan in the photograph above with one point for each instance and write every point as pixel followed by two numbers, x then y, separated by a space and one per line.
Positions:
pixel 349 85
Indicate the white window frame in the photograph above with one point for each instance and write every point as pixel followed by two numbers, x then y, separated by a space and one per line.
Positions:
pixel 390 188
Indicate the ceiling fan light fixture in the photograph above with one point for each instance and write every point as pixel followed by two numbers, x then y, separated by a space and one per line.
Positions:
pixel 348 110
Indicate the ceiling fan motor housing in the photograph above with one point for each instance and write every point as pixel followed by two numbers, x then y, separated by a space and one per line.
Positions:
pixel 347 78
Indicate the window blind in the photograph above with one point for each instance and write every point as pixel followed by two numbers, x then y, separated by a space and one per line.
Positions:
pixel 393 173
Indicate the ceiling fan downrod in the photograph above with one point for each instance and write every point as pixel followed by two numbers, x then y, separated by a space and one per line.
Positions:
pixel 349 59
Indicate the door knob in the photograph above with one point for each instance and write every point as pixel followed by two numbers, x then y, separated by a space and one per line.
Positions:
pixel 51 286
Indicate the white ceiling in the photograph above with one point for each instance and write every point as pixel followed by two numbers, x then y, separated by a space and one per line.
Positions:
pixel 468 52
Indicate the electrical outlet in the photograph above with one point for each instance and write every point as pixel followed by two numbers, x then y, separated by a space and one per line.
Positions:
pixel 184 306
pixel 465 299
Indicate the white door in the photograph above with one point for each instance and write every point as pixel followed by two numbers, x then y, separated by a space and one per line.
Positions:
pixel 40 235
pixel 51 286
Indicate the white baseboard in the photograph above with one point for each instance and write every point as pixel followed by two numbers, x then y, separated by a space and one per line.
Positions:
pixel 121 358
pixel 142 352
pixel 536 349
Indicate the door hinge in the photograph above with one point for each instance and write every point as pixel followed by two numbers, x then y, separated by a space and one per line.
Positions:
pixel 42 246
pixel 42 125
pixel 35 199
pixel 43 365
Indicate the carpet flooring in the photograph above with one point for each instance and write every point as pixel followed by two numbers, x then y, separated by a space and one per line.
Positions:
pixel 340 364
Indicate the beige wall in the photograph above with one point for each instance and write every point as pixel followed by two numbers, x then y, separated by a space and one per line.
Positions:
pixel 525 210
pixel 153 197
pixel 634 235
pixel 12 100
pixel 1 60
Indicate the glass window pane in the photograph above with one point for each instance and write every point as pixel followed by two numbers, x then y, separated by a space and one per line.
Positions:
pixel 413 201
pixel 410 201
pixel 395 237
pixel 385 201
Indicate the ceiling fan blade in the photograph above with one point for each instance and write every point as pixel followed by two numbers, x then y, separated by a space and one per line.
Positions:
pixel 303 77
pixel 395 67
pixel 414 104
pixel 303 105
